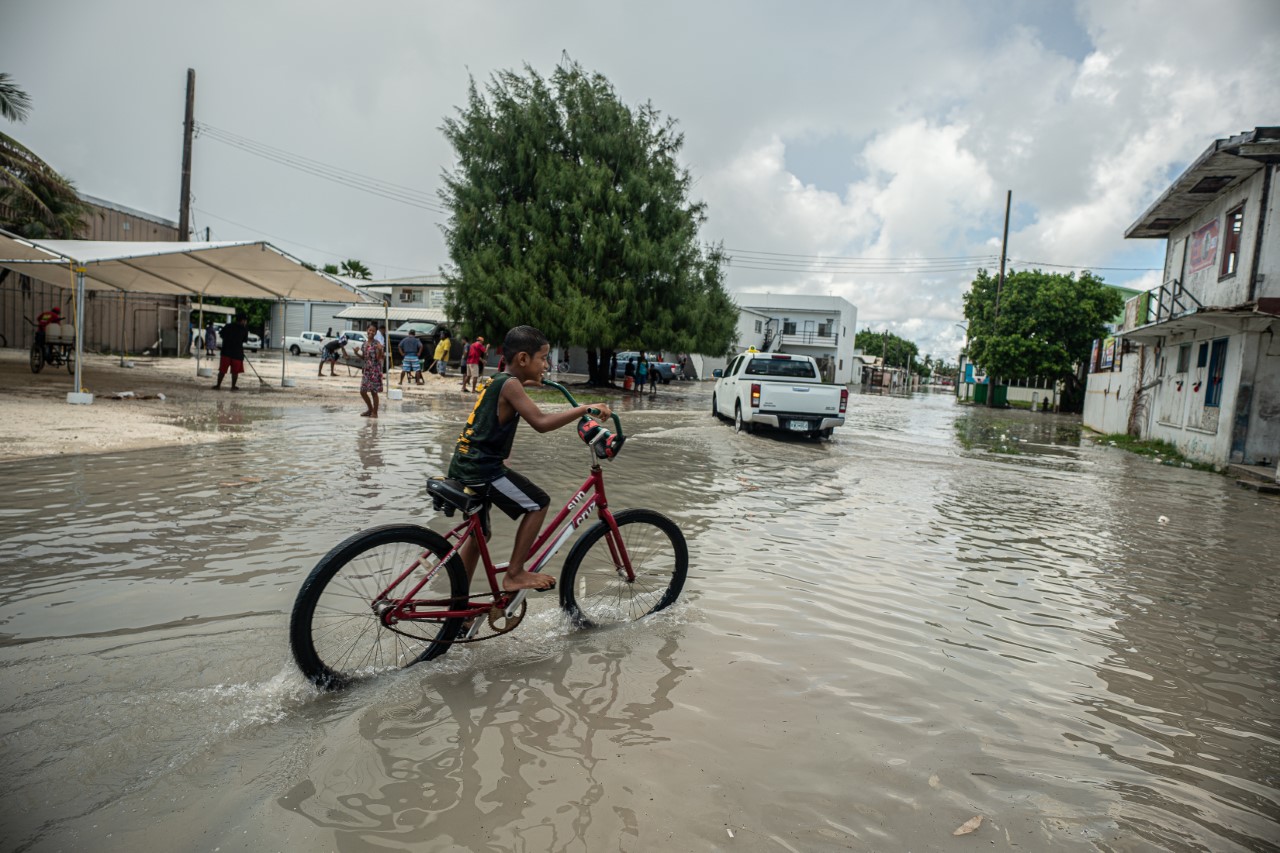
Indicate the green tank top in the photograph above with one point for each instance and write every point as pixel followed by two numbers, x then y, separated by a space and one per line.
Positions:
pixel 484 443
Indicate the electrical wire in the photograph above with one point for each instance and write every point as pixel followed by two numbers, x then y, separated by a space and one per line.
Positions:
pixel 335 174
pixel 1083 266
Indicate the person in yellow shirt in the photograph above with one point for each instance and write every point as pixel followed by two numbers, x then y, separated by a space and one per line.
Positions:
pixel 442 353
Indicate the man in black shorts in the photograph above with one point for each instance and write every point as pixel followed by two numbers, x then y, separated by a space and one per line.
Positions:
pixel 485 443
pixel 329 354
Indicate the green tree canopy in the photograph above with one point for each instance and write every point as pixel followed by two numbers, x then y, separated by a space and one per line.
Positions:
pixel 353 268
pixel 35 201
pixel 894 350
pixel 1046 325
pixel 569 212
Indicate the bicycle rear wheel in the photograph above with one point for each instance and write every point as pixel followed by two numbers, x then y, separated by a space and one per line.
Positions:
pixel 37 358
pixel 594 589
pixel 71 361
pixel 336 632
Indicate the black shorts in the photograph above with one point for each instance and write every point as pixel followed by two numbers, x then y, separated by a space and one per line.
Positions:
pixel 516 495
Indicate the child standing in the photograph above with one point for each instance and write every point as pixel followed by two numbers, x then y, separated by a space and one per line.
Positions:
pixel 485 443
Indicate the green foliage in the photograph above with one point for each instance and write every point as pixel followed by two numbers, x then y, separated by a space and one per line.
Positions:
pixel 1153 448
pixel 256 311
pixel 353 268
pixel 894 350
pixel 331 269
pixel 569 212
pixel 36 201
pixel 1046 326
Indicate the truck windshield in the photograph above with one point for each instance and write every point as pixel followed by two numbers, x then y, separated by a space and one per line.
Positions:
pixel 781 367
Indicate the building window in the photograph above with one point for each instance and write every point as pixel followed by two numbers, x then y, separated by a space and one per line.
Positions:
pixel 1184 358
pixel 1203 357
pixel 1231 243
pixel 1217 363
pixel 758 326
pixel 788 326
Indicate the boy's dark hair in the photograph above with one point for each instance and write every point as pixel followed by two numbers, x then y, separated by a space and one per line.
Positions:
pixel 523 339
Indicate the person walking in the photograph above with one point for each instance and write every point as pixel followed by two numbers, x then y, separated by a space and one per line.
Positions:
pixel 653 379
pixel 234 334
pixel 210 339
pixel 371 377
pixel 266 336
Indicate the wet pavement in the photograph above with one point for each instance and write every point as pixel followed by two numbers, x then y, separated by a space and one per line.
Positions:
pixel 941 613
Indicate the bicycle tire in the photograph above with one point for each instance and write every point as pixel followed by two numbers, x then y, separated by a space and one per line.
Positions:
pixel 71 362
pixel 592 591
pixel 335 635
pixel 37 358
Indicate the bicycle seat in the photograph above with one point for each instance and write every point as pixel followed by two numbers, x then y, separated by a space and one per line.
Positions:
pixel 451 495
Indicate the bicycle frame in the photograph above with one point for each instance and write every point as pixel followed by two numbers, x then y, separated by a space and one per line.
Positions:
pixel 587 499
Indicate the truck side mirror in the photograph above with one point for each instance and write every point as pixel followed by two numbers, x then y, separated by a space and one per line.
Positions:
pixel 717 373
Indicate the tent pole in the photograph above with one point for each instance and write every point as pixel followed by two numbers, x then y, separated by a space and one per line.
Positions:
pixel 78 396
pixel 284 332
pixel 124 344
pixel 386 323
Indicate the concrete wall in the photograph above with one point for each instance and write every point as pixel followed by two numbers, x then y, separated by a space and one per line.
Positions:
pixel 1208 285
pixel 1108 398
pixel 1176 407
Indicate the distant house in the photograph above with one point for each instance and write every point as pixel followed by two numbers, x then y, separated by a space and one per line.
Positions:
pixel 1196 361
pixel 818 326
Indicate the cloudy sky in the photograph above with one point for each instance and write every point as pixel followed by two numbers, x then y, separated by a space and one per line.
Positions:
pixel 861 149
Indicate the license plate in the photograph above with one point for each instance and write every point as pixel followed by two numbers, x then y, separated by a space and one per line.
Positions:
pixel 798 426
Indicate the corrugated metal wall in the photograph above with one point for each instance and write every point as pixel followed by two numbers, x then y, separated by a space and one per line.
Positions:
pixel 112 321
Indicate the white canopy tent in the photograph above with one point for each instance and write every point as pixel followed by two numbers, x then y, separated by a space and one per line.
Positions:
pixel 252 270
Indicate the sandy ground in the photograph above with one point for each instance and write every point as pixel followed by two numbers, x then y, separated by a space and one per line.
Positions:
pixel 168 397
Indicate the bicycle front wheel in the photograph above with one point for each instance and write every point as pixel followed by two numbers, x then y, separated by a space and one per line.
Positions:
pixel 337 633
pixel 37 358
pixel 594 588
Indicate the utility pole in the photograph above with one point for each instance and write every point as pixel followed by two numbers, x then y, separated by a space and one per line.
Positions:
pixel 188 126
pixel 992 381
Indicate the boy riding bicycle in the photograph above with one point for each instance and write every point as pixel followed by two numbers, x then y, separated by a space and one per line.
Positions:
pixel 485 443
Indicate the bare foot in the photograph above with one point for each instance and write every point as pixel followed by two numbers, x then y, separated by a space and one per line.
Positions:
pixel 366 414
pixel 526 580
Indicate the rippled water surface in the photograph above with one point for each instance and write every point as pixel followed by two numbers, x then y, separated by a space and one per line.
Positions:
pixel 943 612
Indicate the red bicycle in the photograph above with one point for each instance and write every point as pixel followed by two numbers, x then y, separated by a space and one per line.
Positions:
pixel 395 595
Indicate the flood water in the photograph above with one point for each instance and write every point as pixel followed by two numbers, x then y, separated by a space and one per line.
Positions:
pixel 942 613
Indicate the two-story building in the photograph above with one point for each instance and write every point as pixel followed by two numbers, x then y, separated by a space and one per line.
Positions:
pixel 1197 360
pixel 820 326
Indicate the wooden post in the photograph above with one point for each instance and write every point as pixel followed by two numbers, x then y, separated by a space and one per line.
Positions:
pixel 188 126
pixel 993 380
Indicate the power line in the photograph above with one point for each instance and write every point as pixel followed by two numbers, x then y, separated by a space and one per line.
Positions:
pixel 915 271
pixel 335 174
pixel 1083 266
pixel 861 258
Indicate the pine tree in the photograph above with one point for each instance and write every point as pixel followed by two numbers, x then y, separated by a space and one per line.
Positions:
pixel 570 212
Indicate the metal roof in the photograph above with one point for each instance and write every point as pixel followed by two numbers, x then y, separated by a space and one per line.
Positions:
pixel 376 311
pixel 1223 165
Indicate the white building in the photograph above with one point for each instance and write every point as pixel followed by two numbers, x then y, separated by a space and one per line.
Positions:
pixel 820 326
pixel 1197 361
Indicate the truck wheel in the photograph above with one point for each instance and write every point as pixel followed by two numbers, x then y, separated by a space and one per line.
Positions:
pixel 739 425
pixel 715 408
pixel 295 350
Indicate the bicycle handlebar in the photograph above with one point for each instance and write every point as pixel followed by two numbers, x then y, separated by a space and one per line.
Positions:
pixel 572 402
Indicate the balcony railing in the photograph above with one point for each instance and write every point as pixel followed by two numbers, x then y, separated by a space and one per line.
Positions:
pixel 808 339
pixel 1169 301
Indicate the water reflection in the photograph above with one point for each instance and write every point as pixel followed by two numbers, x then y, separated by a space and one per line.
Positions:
pixel 969 612
pixel 511 762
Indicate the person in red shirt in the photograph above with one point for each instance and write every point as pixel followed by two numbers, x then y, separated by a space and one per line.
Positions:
pixel 46 318
pixel 475 357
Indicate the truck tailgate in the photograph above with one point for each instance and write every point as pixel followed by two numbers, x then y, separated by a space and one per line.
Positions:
pixel 800 399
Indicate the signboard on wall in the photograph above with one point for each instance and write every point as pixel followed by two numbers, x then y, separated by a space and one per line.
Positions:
pixel 1203 247
pixel 1108 354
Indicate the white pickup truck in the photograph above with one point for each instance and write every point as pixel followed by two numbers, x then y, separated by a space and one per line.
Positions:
pixel 308 342
pixel 779 390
